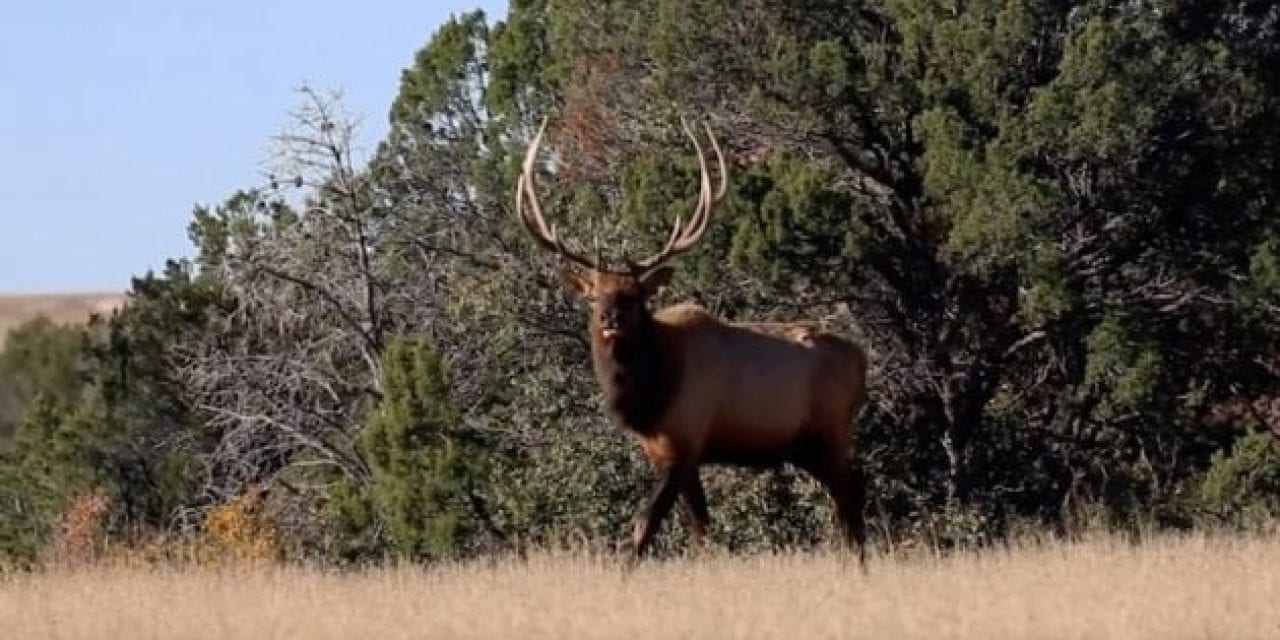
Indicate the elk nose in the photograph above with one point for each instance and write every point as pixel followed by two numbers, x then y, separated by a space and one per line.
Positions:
pixel 609 322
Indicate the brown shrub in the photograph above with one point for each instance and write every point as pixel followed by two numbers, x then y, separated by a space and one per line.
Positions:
pixel 79 536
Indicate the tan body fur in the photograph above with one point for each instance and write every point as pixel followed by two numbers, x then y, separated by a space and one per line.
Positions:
pixel 753 390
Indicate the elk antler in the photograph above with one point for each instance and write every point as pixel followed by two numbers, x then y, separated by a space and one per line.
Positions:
pixel 536 224
pixel 682 238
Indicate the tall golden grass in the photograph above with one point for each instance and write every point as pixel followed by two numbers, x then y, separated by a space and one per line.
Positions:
pixel 1168 588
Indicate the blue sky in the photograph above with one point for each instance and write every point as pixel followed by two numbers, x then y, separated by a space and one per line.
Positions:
pixel 118 117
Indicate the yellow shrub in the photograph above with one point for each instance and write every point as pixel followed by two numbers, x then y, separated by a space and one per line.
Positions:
pixel 235 532
pixel 241 530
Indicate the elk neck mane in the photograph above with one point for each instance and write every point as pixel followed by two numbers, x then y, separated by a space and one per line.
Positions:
pixel 639 372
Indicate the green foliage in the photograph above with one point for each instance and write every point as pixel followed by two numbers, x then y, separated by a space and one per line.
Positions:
pixel 1242 485
pixel 411 444
pixel 55 449
pixel 59 452
pixel 103 409
pixel 1264 270
pixel 41 358
pixel 429 84
pixel 1124 367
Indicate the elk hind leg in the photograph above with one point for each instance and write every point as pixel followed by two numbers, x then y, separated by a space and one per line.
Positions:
pixel 853 516
pixel 848 489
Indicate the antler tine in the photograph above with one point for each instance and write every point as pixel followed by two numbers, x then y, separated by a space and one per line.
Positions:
pixel 685 236
pixel 537 226
pixel 702 214
pixel 724 170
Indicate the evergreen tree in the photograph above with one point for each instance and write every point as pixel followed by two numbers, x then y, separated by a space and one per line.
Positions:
pixel 411 443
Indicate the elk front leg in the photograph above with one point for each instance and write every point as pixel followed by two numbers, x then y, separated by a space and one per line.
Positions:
pixel 694 501
pixel 655 509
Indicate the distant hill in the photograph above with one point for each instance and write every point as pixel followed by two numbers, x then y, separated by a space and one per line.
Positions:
pixel 59 307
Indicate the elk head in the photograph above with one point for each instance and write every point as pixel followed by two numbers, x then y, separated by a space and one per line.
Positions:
pixel 619 297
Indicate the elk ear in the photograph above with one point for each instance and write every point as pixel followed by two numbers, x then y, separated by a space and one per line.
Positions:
pixel 656 279
pixel 576 282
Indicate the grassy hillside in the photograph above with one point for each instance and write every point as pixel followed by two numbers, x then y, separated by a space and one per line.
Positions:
pixel 1197 587
pixel 59 307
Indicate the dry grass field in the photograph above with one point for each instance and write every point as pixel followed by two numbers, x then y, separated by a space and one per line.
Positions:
pixel 58 307
pixel 1198 587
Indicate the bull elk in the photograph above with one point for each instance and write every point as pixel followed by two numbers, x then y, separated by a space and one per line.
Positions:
pixel 695 390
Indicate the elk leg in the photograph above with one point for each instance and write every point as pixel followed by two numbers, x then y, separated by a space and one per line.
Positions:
pixel 694 501
pixel 854 519
pixel 848 492
pixel 659 503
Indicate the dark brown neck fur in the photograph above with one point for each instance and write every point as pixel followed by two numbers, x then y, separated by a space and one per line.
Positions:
pixel 638 377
